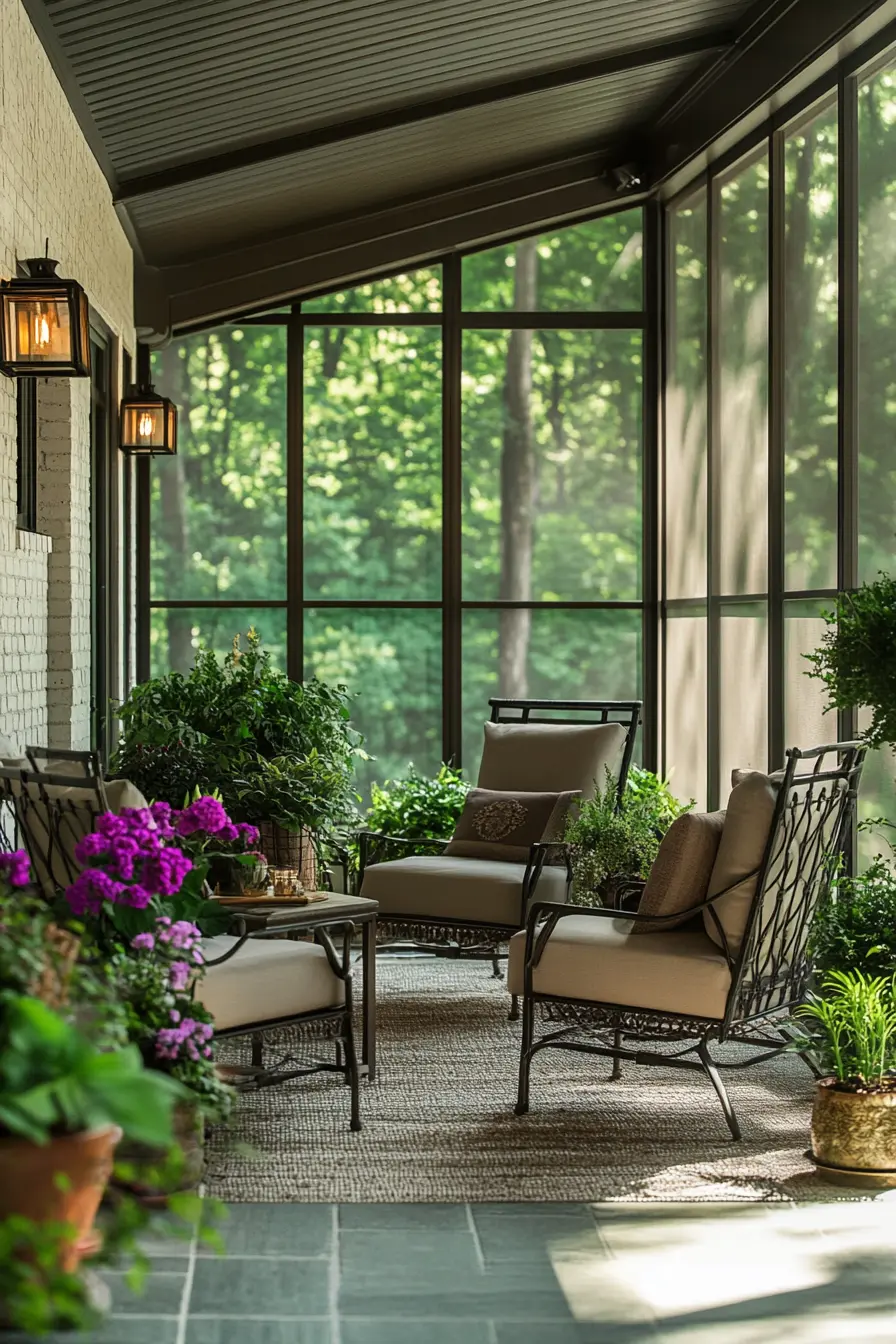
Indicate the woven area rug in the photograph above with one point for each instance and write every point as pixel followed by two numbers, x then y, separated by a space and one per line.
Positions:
pixel 438 1124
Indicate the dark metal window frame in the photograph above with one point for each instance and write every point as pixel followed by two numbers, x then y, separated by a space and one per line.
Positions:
pixel 26 454
pixel 453 321
pixel 837 88
pixel 102 422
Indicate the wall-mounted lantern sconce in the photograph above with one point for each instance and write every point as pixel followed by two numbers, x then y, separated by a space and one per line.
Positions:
pixel 44 325
pixel 148 423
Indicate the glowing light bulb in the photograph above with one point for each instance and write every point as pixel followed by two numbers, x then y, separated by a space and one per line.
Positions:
pixel 41 331
pixel 145 425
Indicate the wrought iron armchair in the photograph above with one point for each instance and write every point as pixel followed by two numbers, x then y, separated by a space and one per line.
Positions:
pixel 468 907
pixel 685 985
pixel 48 812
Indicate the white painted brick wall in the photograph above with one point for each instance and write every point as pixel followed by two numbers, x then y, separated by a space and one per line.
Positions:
pixel 51 186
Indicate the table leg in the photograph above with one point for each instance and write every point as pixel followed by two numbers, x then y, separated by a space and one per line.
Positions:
pixel 368 998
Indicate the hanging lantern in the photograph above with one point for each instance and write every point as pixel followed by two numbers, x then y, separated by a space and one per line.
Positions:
pixel 148 423
pixel 44 325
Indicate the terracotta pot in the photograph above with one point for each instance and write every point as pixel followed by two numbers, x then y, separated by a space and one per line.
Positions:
pixel 189 1135
pixel 854 1136
pixel 28 1185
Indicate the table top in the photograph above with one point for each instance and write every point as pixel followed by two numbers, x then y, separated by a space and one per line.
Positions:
pixel 336 909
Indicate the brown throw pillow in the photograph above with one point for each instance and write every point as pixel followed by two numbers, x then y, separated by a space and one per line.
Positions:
pixel 679 877
pixel 503 826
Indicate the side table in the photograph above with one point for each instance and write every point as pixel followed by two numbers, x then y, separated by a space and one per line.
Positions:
pixel 270 920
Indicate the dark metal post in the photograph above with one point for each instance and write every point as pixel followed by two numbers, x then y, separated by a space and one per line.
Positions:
pixel 777 353
pixel 452 555
pixel 654 383
pixel 295 392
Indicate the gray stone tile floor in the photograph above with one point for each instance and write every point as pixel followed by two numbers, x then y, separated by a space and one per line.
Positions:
pixel 523 1274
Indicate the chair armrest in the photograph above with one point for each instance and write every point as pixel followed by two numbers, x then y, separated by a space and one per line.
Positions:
pixel 375 847
pixel 544 917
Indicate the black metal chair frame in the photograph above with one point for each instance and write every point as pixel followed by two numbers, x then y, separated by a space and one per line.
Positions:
pixel 42 824
pixel 334 1024
pixel 479 939
pixel 769 973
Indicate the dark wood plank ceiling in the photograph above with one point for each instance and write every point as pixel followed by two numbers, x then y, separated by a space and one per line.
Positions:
pixel 224 124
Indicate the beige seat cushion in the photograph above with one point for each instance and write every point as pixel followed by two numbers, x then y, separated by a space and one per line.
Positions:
pixel 461 889
pixel 541 757
pixel 598 960
pixel 266 980
pixel 748 820
pixel 680 873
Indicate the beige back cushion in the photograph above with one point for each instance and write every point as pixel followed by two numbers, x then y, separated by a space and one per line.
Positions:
pixel 680 874
pixel 73 815
pixel 548 757
pixel 745 834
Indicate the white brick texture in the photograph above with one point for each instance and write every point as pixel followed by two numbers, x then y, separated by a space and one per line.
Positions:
pixel 51 187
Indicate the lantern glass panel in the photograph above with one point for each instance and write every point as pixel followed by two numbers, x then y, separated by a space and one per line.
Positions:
pixel 39 328
pixel 144 426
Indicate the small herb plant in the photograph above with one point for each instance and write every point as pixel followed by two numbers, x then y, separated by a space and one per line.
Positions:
pixel 853 1030
pixel 418 807
pixel 611 842
pixel 857 658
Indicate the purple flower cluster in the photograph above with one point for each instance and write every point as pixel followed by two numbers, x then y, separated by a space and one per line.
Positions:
pixel 206 818
pixel 128 861
pixel 15 868
pixel 187 1037
pixel 180 936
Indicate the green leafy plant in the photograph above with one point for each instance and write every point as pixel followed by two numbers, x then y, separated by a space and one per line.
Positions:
pixel 853 1029
pixel 418 807
pixel 53 1080
pixel 274 749
pixel 856 927
pixel 857 658
pixel 612 844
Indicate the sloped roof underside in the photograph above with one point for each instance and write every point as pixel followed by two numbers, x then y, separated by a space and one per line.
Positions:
pixel 225 124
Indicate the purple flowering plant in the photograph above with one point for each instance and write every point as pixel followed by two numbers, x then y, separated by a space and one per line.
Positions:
pixel 157 973
pixel 142 863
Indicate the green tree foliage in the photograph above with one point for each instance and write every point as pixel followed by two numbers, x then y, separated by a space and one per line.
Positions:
pixel 372 491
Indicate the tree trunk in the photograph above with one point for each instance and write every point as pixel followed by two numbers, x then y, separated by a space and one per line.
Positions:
pixel 517 485
pixel 173 495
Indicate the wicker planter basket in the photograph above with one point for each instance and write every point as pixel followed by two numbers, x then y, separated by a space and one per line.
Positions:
pixel 290 849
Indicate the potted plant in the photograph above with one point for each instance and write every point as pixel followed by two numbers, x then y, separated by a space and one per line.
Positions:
pixel 857 657
pixel 64 1106
pixel 280 753
pixel 613 843
pixel 853 1031
pixel 856 926
pixel 140 898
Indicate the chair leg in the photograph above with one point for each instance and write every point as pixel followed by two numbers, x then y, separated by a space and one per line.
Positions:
pixel 711 1068
pixel 340 1060
pixel 522 1096
pixel 496 965
pixel 616 1073
pixel 514 1014
pixel 257 1050
pixel 351 1064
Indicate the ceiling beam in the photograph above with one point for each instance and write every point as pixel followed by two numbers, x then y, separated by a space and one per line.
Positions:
pixel 333 255
pixel 407 114
pixel 777 41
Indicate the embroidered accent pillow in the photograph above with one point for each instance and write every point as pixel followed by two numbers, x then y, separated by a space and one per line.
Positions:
pixel 503 826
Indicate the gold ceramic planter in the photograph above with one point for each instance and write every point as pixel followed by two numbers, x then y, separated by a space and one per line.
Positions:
pixel 854 1137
